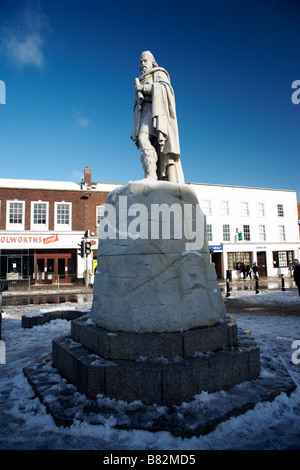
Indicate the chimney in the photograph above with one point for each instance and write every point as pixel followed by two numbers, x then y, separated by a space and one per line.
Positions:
pixel 87 176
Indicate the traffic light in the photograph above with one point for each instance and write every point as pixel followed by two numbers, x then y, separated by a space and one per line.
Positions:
pixel 211 250
pixel 88 248
pixel 81 249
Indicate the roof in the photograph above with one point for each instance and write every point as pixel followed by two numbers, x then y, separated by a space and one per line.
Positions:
pixel 241 187
pixel 38 184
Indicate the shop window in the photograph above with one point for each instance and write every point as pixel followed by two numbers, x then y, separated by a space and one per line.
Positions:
pixel 16 264
pixel 282 259
pixel 63 216
pixel 235 258
pixel 15 215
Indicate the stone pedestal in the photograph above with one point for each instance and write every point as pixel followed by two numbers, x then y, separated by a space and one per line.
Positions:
pixel 158 330
pixel 163 369
pixel 154 273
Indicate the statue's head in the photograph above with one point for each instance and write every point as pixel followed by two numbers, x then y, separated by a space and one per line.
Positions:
pixel 147 61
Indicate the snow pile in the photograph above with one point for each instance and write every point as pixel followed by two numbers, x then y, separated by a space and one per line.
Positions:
pixel 275 298
pixel 26 425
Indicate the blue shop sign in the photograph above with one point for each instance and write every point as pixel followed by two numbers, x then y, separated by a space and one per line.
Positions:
pixel 215 248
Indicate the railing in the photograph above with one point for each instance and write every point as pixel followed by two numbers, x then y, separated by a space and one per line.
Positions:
pixel 29 283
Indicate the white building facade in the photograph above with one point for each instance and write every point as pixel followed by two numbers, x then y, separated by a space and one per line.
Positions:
pixel 250 225
pixel 42 225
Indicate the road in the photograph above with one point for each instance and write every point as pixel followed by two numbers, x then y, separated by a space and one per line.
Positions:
pixel 79 295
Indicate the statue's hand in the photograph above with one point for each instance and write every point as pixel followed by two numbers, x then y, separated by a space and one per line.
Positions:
pixel 137 85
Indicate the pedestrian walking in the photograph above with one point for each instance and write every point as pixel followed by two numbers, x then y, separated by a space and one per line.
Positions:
pixel 91 280
pixel 248 270
pixel 238 268
pixel 243 270
pixel 255 271
pixel 297 274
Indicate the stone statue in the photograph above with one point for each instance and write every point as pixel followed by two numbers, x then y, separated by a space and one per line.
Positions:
pixel 155 130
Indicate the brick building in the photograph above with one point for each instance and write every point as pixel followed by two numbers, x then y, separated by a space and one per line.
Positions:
pixel 42 224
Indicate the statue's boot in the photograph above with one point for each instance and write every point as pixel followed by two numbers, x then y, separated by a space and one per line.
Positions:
pixel 171 172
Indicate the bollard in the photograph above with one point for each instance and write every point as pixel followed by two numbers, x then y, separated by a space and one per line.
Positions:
pixel 282 282
pixel 227 288
pixel 256 284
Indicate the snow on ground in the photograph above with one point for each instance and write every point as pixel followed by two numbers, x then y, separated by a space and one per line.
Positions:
pixel 26 425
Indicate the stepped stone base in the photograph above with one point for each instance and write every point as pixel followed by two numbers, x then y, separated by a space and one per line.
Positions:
pixel 163 369
pixel 132 346
pixel 195 418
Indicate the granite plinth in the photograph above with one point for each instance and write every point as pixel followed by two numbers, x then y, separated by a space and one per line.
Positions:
pixel 198 417
pixel 157 376
pixel 131 346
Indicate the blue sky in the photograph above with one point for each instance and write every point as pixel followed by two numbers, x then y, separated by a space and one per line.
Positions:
pixel 69 68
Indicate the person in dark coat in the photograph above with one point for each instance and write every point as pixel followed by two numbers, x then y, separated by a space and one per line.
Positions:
pixel 255 270
pixel 297 274
pixel 248 271
pixel 243 270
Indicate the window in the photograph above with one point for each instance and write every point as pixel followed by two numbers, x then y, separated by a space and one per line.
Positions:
pixel 100 213
pixel 226 233
pixel 39 215
pixel 260 209
pixel 224 208
pixel 246 229
pixel 63 216
pixel 209 232
pixel 281 233
pixel 15 215
pixel 282 259
pixel 245 209
pixel 262 233
pixel 234 258
pixel 280 211
pixel 206 206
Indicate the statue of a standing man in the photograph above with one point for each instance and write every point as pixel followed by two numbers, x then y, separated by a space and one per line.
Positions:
pixel 155 130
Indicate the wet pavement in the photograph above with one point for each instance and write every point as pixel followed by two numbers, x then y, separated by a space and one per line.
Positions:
pixel 264 284
pixel 51 298
pixel 75 295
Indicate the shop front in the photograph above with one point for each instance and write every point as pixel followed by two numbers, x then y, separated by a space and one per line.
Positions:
pixel 39 259
pixel 55 266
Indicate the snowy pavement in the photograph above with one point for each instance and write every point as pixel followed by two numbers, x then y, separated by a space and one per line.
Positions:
pixel 270 425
